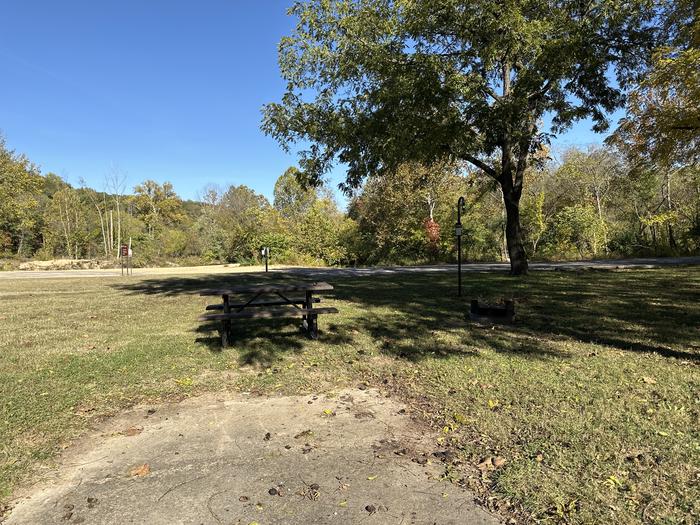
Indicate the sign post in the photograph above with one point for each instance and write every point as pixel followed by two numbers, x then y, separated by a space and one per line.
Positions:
pixel 125 255
pixel 265 252
pixel 458 233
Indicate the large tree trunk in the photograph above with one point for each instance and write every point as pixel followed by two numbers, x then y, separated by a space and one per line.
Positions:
pixel 514 234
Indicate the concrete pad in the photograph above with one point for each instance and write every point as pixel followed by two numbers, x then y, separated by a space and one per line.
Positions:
pixel 351 458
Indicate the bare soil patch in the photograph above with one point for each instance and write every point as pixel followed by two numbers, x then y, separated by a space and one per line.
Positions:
pixel 354 457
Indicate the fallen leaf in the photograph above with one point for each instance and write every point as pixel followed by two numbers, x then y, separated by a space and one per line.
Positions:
pixel 185 382
pixel 371 477
pixel 141 470
pixel 460 418
pixel 343 503
pixel 649 380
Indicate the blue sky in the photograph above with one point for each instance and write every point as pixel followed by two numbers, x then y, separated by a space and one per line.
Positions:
pixel 160 89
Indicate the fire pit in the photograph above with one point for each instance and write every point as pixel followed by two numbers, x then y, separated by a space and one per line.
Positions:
pixel 490 314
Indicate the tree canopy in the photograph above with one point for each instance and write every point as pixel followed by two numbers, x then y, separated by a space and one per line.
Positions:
pixel 662 125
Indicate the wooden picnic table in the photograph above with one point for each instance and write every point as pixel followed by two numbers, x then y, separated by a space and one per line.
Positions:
pixel 255 305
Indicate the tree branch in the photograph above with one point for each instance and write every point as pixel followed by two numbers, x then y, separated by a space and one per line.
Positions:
pixel 490 92
pixel 482 166
pixel 541 92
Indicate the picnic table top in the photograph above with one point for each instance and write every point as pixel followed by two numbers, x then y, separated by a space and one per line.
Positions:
pixel 270 288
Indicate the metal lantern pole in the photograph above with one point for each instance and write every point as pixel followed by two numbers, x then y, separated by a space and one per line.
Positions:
pixel 458 233
pixel 265 252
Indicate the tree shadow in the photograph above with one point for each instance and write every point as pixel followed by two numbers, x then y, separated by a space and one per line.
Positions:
pixel 418 316
pixel 630 311
pixel 262 341
pixel 172 286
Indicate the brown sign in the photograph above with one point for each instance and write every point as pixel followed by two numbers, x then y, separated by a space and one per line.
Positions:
pixel 124 250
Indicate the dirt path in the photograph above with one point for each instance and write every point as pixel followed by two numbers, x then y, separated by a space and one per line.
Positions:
pixel 222 459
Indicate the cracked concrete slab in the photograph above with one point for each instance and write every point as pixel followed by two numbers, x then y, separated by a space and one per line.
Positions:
pixel 355 457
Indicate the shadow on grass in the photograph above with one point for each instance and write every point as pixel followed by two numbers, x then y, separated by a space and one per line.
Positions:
pixel 172 286
pixel 638 311
pixel 260 342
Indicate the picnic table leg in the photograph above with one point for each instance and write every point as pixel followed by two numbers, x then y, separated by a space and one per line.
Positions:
pixel 311 319
pixel 226 323
pixel 314 326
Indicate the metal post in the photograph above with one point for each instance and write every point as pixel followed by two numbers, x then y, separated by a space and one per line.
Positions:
pixel 459 266
pixel 458 233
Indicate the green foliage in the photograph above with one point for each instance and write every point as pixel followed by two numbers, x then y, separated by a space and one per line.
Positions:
pixel 291 199
pixel 391 81
pixel 157 205
pixel 19 186
pixel 318 235
pixel 589 204
pixel 391 214
pixel 576 232
pixel 662 126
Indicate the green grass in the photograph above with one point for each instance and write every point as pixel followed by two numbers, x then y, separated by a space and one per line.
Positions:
pixel 591 398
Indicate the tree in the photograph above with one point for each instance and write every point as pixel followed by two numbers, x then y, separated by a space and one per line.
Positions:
pixel 157 204
pixel 661 131
pixel 19 184
pixel 587 177
pixel 100 204
pixel 376 83
pixel 115 182
pixel 662 125
pixel 67 219
pixel 400 216
pixel 291 199
pixel 243 216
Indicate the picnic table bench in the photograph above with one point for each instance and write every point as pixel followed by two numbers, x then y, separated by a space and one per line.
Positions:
pixel 254 305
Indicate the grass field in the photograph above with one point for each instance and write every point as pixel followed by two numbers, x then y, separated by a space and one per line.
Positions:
pixel 585 411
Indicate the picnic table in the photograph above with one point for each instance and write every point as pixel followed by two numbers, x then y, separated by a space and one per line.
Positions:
pixel 255 303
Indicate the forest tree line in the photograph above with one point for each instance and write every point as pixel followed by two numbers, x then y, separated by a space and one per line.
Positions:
pixel 584 204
